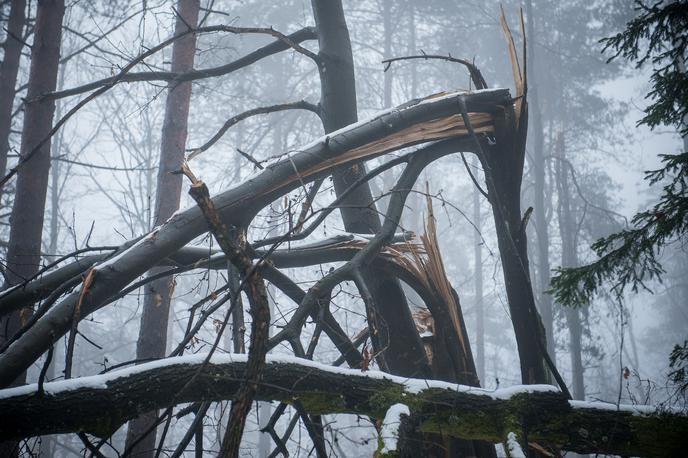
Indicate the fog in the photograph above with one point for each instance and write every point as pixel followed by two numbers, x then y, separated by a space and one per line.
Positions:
pixel 583 177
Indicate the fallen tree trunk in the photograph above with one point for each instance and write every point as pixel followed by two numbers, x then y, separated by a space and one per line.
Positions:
pixel 101 404
pixel 422 121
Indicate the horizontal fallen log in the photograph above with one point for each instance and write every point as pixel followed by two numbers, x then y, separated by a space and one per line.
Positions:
pixel 101 404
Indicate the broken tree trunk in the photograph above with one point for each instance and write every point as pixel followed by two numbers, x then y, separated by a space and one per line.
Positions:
pixel 100 404
pixel 430 119
pixel 502 157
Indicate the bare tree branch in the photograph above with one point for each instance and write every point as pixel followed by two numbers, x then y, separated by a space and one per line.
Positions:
pixel 300 105
pixel 234 247
pixel 307 33
pixel 476 74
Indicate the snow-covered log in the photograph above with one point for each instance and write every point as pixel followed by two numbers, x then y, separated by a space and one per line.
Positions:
pixel 101 404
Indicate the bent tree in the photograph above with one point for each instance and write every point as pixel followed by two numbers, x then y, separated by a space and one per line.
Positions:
pixel 490 123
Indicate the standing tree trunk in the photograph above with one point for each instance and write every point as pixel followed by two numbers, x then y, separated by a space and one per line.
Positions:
pixel 8 77
pixel 569 258
pixel 24 250
pixel 152 339
pixel 403 352
pixel 537 166
pixel 513 253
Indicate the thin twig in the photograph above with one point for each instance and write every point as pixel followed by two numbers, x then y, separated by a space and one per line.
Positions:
pixel 475 73
pixel 299 105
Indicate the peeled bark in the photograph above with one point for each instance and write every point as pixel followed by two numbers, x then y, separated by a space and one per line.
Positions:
pixel 152 339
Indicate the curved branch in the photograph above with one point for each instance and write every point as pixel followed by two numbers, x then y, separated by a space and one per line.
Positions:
pixel 300 105
pixel 108 83
pixel 305 34
pixel 476 74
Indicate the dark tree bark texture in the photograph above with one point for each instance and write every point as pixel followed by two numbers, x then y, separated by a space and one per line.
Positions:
pixel 8 76
pixel 24 249
pixel 402 350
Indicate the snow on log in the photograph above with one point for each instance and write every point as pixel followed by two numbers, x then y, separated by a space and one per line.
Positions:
pixel 101 404
pixel 389 432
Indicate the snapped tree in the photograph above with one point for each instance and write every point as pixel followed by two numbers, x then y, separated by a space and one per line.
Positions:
pixel 490 123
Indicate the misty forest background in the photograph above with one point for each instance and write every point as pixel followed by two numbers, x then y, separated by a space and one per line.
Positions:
pixel 585 160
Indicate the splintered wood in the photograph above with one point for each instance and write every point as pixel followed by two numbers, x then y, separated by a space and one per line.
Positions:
pixel 436 129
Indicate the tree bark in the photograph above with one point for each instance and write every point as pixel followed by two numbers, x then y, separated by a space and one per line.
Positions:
pixel 152 340
pixel 8 76
pixel 24 249
pixel 100 404
pixel 503 164
pixel 569 258
pixel 401 351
